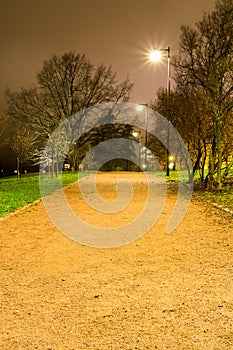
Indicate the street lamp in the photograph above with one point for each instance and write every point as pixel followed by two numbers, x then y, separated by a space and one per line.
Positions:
pixel 156 56
pixel 140 107
pixel 137 135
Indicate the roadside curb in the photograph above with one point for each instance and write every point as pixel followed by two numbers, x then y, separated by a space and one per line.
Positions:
pixel 19 210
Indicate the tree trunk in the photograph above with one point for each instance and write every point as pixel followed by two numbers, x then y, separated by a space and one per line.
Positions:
pixel 203 163
pixel 48 166
pixel 56 168
pixel 210 176
pixel 52 165
pixel 18 167
pixel 219 154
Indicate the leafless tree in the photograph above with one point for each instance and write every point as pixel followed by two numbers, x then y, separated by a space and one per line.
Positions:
pixel 206 62
pixel 22 142
pixel 4 122
pixel 190 114
pixel 66 84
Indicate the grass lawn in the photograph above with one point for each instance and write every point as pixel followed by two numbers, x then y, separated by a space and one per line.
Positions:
pixel 224 199
pixel 15 193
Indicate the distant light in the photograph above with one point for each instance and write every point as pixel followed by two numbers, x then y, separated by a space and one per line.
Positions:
pixel 171 165
pixel 135 134
pixel 155 55
pixel 171 158
pixel 139 107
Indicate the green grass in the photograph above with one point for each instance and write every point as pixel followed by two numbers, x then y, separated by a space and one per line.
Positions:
pixel 15 193
pixel 223 198
pixel 174 175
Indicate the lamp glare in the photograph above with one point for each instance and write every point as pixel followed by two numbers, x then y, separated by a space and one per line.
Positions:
pixel 155 55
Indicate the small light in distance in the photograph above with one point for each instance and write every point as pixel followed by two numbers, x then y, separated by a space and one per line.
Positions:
pixel 139 107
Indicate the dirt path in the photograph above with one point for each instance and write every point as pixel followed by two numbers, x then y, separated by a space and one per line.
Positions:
pixel 163 291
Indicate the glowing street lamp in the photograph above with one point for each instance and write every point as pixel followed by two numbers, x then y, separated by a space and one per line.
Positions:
pixel 171 162
pixel 156 56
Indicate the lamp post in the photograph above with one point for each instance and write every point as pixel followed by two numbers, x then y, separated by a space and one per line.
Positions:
pixel 156 56
pixel 136 134
pixel 139 108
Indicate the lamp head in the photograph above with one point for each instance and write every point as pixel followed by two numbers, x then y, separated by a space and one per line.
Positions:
pixel 155 55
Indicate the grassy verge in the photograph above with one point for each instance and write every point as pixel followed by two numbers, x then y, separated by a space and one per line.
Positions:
pixel 16 193
pixel 223 199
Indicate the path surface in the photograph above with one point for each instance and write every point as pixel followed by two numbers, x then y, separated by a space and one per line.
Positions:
pixel 163 291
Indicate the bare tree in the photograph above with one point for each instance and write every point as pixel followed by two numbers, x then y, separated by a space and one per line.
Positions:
pixel 51 157
pixel 66 84
pixel 191 116
pixel 22 143
pixel 206 61
pixel 4 121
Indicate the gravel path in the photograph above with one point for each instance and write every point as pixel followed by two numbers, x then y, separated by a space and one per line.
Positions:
pixel 162 291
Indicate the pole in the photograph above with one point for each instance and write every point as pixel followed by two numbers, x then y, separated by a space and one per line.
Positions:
pixel 168 107
pixel 146 136
pixel 146 132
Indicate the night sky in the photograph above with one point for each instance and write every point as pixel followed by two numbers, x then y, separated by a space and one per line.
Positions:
pixel 113 32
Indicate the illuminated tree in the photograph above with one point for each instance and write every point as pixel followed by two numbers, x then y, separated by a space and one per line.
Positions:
pixel 22 142
pixel 190 114
pixel 206 62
